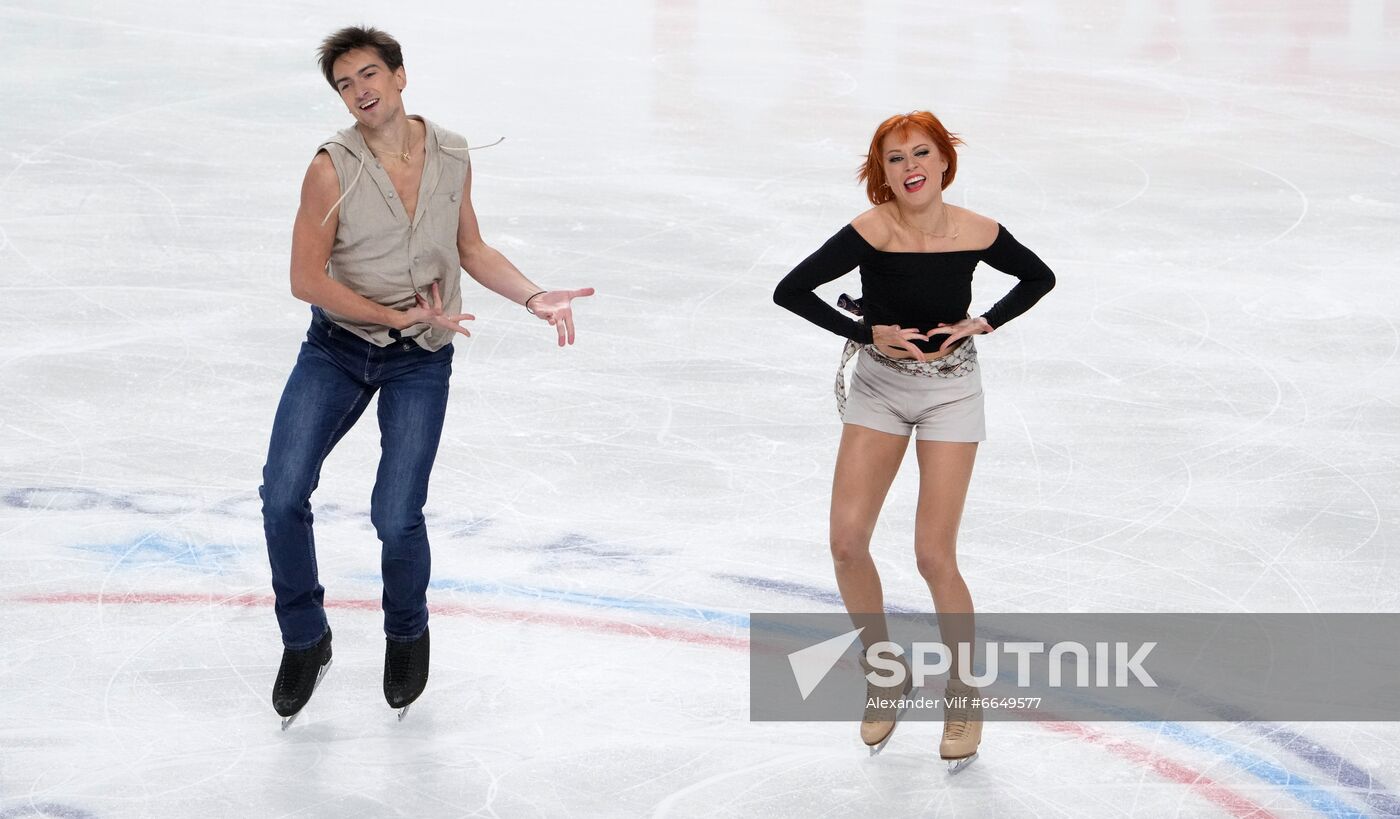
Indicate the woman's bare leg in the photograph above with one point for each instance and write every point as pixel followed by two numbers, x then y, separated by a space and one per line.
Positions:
pixel 865 467
pixel 945 471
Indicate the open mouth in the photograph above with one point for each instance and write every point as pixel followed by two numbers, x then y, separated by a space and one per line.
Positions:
pixel 914 183
pixel 369 106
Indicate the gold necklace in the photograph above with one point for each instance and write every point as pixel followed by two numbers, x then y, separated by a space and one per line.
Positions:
pixel 947 218
pixel 403 155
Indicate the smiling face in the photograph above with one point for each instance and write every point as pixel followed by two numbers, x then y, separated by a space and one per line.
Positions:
pixel 896 147
pixel 370 91
pixel 913 167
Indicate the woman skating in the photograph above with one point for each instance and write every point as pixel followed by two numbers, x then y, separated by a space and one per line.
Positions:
pixel 917 371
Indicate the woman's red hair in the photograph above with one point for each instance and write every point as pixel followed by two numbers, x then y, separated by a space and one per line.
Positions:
pixel 872 171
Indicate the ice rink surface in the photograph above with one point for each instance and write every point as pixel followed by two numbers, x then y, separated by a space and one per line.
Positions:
pixel 1203 416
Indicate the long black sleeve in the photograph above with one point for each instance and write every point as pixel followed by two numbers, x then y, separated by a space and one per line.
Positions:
pixel 840 255
pixel 1036 279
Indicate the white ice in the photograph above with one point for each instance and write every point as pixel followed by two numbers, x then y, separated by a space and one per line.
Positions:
pixel 1203 416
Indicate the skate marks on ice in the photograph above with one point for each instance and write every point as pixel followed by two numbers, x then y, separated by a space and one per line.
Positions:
pixel 1232 802
pixel 164 505
pixel 921 784
pixel 1196 780
pixel 374 605
pixel 574 552
pixel 46 810
pixel 566 554
pixel 641 604
pixel 154 548
pixel 1345 774
pixel 1159 763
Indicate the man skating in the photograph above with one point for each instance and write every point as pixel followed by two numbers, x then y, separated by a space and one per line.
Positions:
pixel 384 229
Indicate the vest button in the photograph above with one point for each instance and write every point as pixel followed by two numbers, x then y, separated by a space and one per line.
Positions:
pixel 391 195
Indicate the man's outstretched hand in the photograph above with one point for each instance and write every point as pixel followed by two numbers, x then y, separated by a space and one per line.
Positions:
pixel 556 307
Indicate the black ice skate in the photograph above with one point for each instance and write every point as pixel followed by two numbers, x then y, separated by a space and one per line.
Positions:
pixel 405 672
pixel 298 677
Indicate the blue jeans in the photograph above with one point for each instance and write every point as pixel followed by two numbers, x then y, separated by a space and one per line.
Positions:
pixel 335 376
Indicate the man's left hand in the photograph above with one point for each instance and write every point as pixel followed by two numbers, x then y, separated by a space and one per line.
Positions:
pixel 556 307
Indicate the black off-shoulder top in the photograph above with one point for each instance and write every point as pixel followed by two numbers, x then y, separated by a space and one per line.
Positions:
pixel 911 289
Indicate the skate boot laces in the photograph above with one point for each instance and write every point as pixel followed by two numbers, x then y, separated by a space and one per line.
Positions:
pixel 399 670
pixel 289 680
pixel 296 665
pixel 298 674
pixel 956 726
pixel 957 721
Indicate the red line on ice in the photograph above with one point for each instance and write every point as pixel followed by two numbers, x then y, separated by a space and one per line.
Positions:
pixel 437 609
pixel 1232 802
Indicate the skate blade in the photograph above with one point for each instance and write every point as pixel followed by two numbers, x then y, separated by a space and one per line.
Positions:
pixel 955 765
pixel 320 675
pixel 877 748
pixel 403 712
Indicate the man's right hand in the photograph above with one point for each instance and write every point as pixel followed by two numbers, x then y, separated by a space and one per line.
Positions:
pixel 431 313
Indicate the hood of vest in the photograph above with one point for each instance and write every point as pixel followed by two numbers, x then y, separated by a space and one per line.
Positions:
pixel 449 144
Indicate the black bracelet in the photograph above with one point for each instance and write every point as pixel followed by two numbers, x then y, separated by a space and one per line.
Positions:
pixel 527 301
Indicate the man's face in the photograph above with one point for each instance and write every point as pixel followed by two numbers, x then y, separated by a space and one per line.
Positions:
pixel 370 91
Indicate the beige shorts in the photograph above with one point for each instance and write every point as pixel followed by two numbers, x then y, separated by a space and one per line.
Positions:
pixel 941 399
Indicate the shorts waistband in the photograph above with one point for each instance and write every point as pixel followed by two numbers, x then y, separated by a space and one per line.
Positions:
pixel 961 361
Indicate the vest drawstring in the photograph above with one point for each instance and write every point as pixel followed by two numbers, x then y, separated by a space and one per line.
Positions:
pixel 472 147
pixel 348 188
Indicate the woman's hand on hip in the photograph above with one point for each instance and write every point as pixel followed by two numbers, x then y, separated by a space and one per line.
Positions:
pixel 962 329
pixel 892 337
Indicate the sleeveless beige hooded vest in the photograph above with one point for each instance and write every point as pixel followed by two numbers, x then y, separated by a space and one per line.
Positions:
pixel 383 256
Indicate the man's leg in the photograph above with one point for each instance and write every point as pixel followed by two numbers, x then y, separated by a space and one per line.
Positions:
pixel 319 405
pixel 412 405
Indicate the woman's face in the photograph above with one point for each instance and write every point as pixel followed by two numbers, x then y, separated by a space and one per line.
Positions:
pixel 913 167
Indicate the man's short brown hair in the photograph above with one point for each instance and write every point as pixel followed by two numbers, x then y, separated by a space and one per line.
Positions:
pixel 350 38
